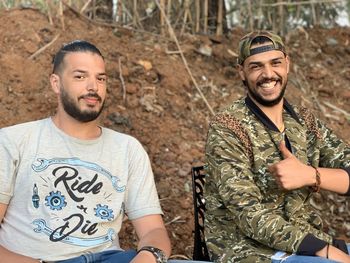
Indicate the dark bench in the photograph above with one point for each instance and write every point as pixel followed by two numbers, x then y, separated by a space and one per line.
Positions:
pixel 200 250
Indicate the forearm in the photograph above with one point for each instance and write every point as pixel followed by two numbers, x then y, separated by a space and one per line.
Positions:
pixel 335 180
pixel 157 238
pixel 331 179
pixel 151 232
pixel 333 253
pixel 8 256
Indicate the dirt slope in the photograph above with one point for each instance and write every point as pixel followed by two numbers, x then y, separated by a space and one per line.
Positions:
pixel 158 103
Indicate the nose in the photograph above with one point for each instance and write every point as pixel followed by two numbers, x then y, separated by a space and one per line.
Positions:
pixel 92 85
pixel 267 71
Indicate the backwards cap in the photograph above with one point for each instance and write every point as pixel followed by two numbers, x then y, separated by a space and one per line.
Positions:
pixel 244 50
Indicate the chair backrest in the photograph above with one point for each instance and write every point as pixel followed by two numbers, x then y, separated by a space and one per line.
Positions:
pixel 200 250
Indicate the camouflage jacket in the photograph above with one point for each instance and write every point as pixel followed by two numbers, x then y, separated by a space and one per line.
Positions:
pixel 248 216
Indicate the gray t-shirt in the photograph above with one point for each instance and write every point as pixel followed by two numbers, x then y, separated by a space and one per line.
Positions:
pixel 68 196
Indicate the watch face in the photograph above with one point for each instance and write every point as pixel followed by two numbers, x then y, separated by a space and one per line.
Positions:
pixel 158 253
pixel 161 257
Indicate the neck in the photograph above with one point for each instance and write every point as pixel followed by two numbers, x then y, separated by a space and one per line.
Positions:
pixel 72 127
pixel 274 113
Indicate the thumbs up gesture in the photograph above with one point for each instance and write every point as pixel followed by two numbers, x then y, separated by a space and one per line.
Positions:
pixel 290 173
pixel 285 151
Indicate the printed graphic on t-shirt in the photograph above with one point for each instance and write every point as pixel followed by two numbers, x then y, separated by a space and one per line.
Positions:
pixel 77 198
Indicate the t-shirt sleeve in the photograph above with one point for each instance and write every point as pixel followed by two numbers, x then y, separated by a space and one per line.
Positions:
pixel 9 160
pixel 141 196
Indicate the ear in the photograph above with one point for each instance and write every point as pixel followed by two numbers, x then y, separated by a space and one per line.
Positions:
pixel 240 72
pixel 55 83
pixel 288 63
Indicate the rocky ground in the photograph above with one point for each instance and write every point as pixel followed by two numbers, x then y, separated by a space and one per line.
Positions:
pixel 152 97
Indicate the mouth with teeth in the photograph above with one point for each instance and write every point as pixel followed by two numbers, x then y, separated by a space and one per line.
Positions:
pixel 268 91
pixel 268 85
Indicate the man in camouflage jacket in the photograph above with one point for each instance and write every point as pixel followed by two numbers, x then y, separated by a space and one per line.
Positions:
pixel 265 159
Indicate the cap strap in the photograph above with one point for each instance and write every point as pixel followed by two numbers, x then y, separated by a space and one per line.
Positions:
pixel 262 49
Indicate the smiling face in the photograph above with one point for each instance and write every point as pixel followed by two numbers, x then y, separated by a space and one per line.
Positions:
pixel 265 75
pixel 81 85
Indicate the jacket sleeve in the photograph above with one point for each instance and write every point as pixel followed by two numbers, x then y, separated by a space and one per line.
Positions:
pixel 229 168
pixel 334 152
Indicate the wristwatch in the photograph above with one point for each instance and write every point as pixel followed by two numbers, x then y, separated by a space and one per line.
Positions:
pixel 157 253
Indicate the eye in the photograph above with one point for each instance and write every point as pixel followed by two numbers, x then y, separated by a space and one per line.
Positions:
pixel 276 62
pixel 79 77
pixel 102 79
pixel 254 67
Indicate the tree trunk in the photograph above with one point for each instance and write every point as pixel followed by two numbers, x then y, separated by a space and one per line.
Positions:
pixel 219 30
pixel 205 14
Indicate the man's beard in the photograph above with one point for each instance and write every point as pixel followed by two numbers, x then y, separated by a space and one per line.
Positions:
pixel 268 103
pixel 72 108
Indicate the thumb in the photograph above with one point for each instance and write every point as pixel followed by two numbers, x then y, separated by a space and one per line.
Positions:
pixel 284 150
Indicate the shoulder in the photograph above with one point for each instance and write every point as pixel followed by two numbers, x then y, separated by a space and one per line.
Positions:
pixel 120 138
pixel 232 121
pixel 234 118
pixel 23 129
pixel 308 119
pixel 231 116
pixel 21 135
pixel 238 108
pixel 304 114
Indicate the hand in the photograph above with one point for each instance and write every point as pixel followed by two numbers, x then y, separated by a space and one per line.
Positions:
pixel 144 257
pixel 333 254
pixel 290 173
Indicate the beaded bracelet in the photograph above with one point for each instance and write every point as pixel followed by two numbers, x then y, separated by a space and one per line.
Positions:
pixel 316 188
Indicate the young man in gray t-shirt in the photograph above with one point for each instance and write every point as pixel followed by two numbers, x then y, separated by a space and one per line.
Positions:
pixel 66 183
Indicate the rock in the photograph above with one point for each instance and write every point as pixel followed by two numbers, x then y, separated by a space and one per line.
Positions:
pixel 145 64
pixel 331 41
pixel 345 95
pixel 205 50
pixel 131 88
pixel 118 119
pixel 186 204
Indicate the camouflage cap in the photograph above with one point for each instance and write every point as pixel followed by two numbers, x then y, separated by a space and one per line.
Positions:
pixel 244 48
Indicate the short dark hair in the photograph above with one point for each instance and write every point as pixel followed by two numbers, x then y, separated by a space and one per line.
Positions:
pixel 74 46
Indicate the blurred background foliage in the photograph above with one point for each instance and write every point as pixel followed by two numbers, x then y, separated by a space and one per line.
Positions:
pixel 199 16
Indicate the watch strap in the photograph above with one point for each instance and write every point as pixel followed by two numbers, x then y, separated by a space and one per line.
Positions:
pixel 156 252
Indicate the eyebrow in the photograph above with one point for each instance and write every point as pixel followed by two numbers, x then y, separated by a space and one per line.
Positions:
pixel 79 71
pixel 260 63
pixel 85 71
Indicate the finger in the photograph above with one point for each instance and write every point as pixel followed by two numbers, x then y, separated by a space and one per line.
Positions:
pixel 278 182
pixel 284 150
pixel 272 168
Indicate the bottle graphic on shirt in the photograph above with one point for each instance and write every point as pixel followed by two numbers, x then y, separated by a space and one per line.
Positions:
pixel 35 197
